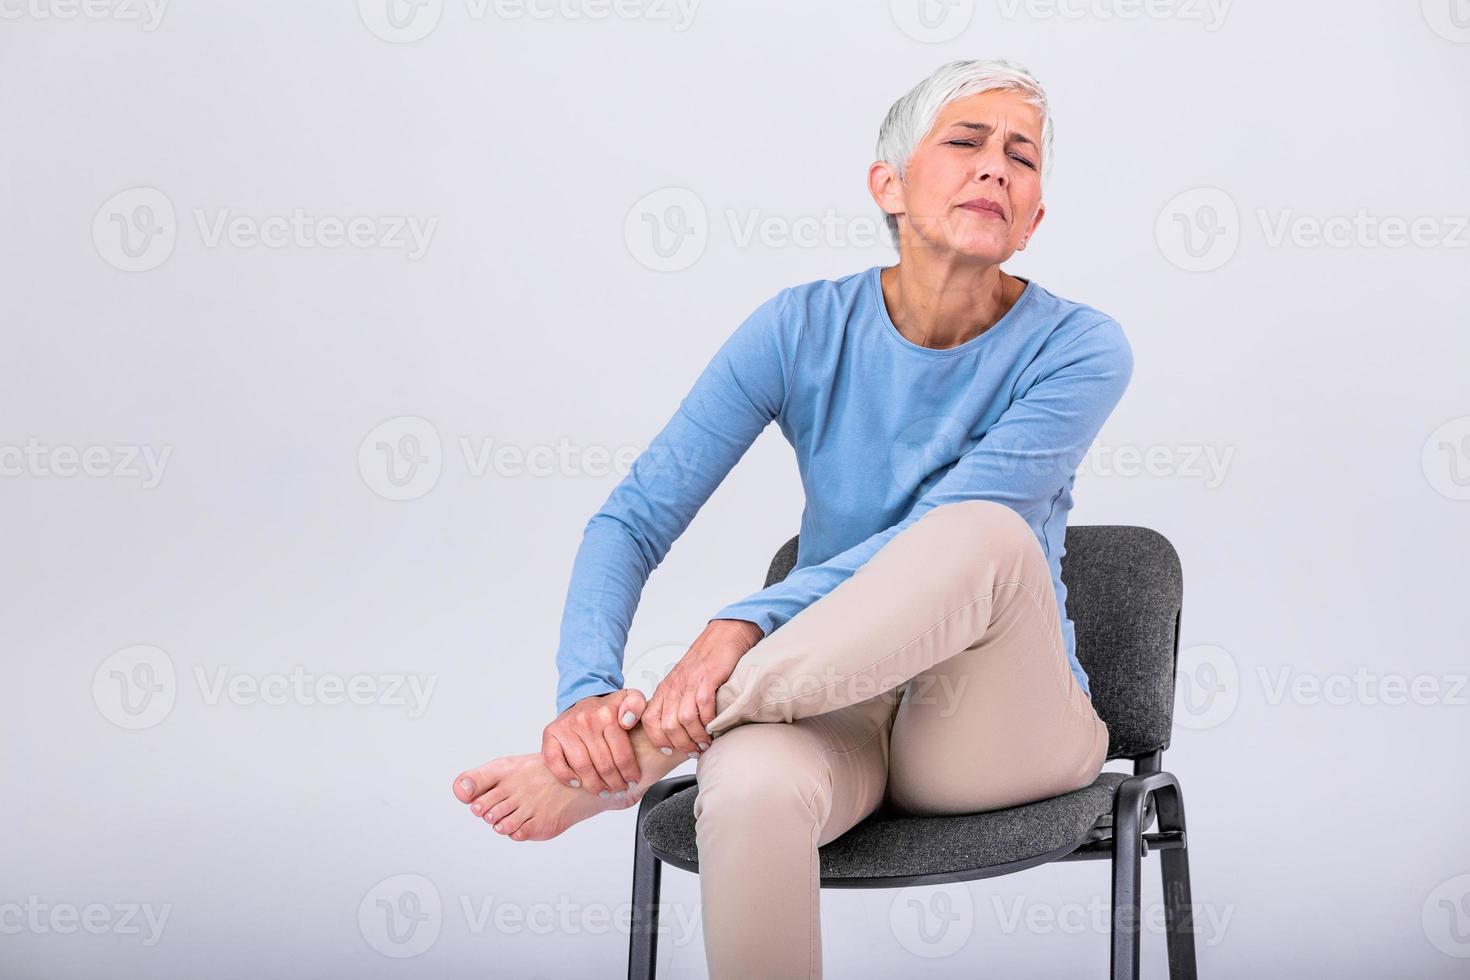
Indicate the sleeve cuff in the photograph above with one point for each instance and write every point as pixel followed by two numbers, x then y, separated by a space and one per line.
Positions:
pixel 584 688
pixel 751 613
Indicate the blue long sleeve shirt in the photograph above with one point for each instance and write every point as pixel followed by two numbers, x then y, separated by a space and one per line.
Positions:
pixel 883 429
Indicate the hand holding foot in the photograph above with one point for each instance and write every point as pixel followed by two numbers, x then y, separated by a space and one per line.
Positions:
pixel 587 746
pixel 520 797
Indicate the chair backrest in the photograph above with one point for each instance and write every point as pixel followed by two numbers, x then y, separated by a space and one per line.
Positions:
pixel 1124 596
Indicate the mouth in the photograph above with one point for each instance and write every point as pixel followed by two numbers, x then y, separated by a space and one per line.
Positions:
pixel 983 206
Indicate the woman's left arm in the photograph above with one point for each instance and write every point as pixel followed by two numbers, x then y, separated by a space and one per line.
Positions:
pixel 1024 461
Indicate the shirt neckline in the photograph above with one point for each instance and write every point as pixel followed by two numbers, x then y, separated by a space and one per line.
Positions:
pixel 875 294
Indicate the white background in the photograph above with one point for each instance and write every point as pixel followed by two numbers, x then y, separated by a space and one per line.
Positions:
pixel 1328 551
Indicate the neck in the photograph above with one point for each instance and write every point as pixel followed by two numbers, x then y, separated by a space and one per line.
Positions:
pixel 944 305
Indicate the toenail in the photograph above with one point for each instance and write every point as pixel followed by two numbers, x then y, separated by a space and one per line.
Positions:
pixel 466 785
pixel 632 786
pixel 666 750
pixel 628 717
pixel 702 745
pixel 497 828
pixel 576 783
pixel 619 795
pixel 604 794
pixel 694 755
pixel 708 729
pixel 476 808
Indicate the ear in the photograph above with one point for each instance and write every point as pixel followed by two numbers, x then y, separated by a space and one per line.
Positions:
pixel 1035 221
pixel 886 188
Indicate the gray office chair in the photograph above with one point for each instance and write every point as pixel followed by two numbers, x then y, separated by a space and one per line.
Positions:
pixel 1124 588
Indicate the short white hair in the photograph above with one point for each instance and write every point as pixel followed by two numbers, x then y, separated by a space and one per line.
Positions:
pixel 911 117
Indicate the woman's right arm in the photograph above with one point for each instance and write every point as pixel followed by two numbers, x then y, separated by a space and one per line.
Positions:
pixel 740 391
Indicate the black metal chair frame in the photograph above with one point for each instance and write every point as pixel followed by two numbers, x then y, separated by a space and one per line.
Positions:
pixel 1150 792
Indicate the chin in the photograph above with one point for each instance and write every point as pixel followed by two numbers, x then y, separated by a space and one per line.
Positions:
pixel 986 251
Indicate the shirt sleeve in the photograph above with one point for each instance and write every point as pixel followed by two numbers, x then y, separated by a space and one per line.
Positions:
pixel 740 391
pixel 1024 460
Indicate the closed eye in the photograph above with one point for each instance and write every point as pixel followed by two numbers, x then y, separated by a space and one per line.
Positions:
pixel 1014 156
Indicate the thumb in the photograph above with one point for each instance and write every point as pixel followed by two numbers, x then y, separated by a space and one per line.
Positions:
pixel 631 709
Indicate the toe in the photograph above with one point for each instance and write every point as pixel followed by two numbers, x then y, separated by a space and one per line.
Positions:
pixel 499 812
pixel 473 783
pixel 486 801
pixel 512 822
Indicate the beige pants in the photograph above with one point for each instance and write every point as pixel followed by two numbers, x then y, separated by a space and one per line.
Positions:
pixel 935 677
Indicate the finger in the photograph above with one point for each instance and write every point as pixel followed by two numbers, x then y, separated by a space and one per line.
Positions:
pixel 556 760
pixel 631 710
pixel 621 747
pixel 612 780
pixel 689 719
pixel 678 738
pixel 651 727
pixel 704 700
pixel 578 758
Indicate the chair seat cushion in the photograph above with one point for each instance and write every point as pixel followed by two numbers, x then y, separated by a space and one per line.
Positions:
pixel 891 844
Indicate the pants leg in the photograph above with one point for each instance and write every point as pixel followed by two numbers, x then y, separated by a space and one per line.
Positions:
pixel 769 796
pixel 965 577
pixel 952 630
pixel 1003 722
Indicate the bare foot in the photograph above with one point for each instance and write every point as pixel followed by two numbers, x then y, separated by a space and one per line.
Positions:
pixel 523 800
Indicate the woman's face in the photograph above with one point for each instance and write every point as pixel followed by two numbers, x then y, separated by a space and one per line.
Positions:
pixel 974 181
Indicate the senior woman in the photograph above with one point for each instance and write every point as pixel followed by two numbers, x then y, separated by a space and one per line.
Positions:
pixel 919 653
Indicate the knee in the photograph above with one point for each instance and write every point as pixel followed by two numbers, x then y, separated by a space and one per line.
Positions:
pixel 970 524
pixel 755 772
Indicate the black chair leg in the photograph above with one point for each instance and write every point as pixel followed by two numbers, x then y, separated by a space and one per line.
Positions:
pixel 1127 866
pixel 1127 872
pixel 647 870
pixel 1178 903
pixel 643 932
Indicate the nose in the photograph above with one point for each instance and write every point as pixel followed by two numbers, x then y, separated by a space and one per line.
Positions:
pixel 991 165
